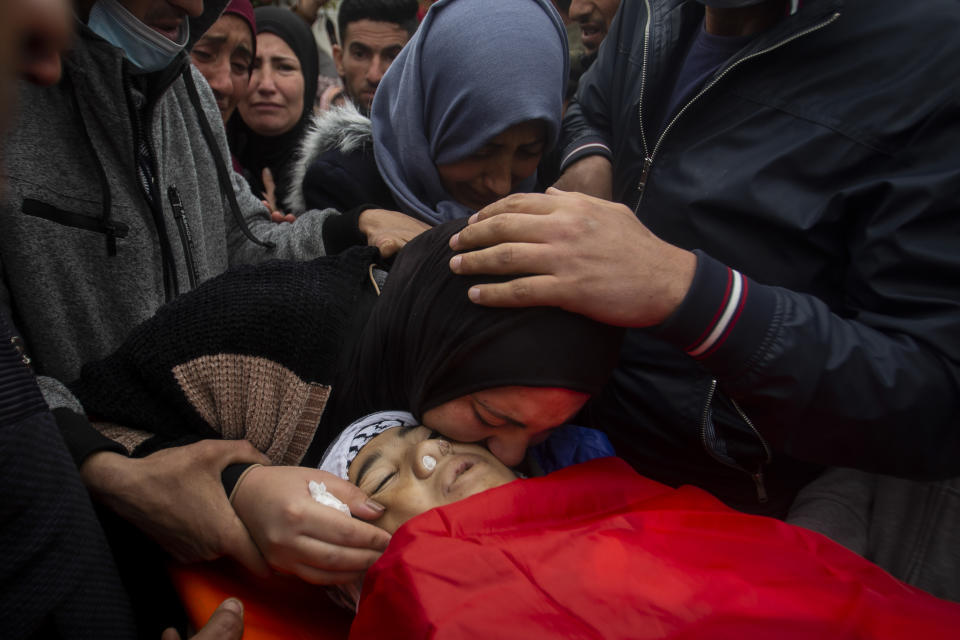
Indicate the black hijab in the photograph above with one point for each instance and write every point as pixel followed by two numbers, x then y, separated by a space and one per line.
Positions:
pixel 279 152
pixel 425 343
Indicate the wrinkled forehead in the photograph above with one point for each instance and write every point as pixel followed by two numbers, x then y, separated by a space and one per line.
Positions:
pixel 230 26
pixel 374 33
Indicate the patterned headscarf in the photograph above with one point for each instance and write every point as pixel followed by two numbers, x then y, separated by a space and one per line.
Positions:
pixel 345 448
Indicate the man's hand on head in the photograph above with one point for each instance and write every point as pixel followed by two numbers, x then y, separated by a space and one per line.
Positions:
pixel 581 253
pixel 176 497
pixel 300 536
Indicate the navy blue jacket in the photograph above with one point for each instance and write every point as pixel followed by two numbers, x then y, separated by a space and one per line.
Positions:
pixel 817 175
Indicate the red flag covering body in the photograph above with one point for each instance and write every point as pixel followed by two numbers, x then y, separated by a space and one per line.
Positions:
pixel 598 551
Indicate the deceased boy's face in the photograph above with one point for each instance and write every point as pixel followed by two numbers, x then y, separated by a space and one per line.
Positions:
pixel 410 470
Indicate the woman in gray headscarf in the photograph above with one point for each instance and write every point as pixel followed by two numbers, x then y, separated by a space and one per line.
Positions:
pixel 460 120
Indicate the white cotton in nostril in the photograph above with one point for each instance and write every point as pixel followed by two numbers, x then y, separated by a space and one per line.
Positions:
pixel 429 462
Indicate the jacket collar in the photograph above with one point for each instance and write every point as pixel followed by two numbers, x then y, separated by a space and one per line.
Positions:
pixel 673 23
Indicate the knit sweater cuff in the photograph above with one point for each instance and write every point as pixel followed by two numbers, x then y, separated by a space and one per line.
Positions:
pixel 81 438
pixel 723 319
pixel 231 475
pixel 340 232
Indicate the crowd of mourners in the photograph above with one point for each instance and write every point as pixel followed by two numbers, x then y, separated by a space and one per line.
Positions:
pixel 467 310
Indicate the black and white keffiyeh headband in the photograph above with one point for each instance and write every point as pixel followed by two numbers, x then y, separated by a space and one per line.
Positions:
pixel 339 455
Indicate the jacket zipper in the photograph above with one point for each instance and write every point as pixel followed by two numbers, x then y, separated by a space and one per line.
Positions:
pixel 756 476
pixel 186 239
pixel 170 285
pixel 650 155
pixel 21 350
pixel 767 452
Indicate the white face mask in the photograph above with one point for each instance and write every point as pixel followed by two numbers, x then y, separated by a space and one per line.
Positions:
pixel 144 47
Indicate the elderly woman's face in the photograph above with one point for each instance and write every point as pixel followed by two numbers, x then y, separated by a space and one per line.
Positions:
pixel 497 169
pixel 410 470
pixel 506 419
pixel 274 99
pixel 224 55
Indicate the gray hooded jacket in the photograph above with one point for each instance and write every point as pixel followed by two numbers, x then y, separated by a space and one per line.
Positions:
pixel 84 254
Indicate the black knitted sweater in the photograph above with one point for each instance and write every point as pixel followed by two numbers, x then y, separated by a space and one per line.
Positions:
pixel 255 353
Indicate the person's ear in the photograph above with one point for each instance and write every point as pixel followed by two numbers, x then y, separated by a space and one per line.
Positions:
pixel 338 59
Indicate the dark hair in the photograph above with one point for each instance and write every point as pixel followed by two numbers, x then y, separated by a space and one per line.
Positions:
pixel 400 12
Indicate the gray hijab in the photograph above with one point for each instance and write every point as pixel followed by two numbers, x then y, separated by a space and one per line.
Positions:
pixel 472 70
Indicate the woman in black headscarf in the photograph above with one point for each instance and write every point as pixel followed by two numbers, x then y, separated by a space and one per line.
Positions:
pixel 208 366
pixel 272 118
pixel 472 373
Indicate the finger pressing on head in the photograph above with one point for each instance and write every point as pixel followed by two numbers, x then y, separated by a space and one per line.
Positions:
pixel 532 291
pixel 502 228
pixel 530 203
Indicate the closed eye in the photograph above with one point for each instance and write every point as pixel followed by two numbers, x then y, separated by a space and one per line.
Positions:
pixel 481 419
pixel 493 418
pixel 532 151
pixel 383 483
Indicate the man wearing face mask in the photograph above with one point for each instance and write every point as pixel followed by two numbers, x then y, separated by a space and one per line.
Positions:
pixel 784 247
pixel 120 196
pixel 57 575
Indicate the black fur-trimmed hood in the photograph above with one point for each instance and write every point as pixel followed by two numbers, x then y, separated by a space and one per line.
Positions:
pixel 343 128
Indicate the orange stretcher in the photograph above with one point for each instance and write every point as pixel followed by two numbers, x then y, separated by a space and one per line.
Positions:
pixel 274 608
